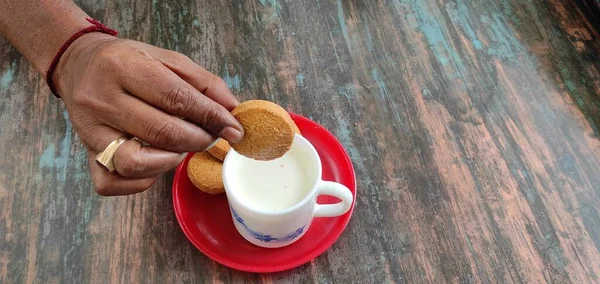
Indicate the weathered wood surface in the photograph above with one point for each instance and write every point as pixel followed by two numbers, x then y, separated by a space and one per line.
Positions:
pixel 473 126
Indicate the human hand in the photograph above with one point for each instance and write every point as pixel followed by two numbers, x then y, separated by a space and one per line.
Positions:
pixel 121 88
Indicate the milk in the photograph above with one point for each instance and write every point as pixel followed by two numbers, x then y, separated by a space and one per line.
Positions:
pixel 274 185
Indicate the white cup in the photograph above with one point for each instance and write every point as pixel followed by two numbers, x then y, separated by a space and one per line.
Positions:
pixel 278 228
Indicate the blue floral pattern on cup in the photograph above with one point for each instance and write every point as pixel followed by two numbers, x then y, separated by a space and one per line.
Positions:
pixel 264 237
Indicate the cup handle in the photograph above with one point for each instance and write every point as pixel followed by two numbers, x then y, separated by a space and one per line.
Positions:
pixel 337 190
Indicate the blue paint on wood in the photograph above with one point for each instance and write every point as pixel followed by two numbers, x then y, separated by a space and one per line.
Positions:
pixel 300 80
pixel 342 20
pixel 348 91
pixel 385 97
pixel 427 21
pixel 344 133
pixel 80 161
pixel 422 18
pixel 459 14
pixel 6 79
pixel 233 82
pixel 503 41
pixel 47 158
pixel 380 83
pixel 57 159
pixel 273 4
pixel 196 23
pixel 368 39
pixel 590 218
pixel 569 84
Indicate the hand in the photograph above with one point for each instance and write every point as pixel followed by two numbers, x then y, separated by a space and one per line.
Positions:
pixel 114 88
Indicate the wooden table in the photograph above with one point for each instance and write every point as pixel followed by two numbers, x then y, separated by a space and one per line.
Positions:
pixel 473 127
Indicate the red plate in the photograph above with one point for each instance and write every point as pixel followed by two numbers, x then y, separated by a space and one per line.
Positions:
pixel 207 223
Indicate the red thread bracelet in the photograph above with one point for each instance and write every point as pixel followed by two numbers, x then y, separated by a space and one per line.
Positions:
pixel 95 27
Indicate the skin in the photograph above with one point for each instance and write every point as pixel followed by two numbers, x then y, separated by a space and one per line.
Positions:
pixel 116 87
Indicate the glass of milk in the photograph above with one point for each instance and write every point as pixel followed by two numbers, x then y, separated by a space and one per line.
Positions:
pixel 274 202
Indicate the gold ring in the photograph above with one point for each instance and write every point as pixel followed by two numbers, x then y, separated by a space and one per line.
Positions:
pixel 105 158
pixel 144 143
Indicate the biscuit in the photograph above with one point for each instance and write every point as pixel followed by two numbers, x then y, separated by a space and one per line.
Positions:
pixel 205 172
pixel 297 130
pixel 220 149
pixel 268 130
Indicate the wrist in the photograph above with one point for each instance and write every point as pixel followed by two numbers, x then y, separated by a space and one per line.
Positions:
pixel 37 29
pixel 58 34
pixel 74 57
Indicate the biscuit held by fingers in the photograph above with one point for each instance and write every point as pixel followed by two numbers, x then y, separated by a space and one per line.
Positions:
pixel 268 130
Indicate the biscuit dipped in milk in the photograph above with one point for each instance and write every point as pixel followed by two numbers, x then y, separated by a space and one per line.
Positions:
pixel 268 130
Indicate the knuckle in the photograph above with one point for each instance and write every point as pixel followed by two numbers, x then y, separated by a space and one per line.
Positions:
pixel 179 99
pixel 109 58
pixel 218 81
pixel 103 53
pixel 143 54
pixel 164 135
pixel 180 56
pixel 92 104
pixel 82 99
pixel 210 113
pixel 214 82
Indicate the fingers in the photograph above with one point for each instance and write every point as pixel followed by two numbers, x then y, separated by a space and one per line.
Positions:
pixel 206 82
pixel 112 184
pixel 132 159
pixel 137 167
pixel 161 130
pixel 160 87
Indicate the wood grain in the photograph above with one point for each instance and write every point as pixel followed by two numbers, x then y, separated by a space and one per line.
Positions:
pixel 473 127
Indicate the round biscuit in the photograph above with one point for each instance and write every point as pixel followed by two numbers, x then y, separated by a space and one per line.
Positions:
pixel 220 149
pixel 268 130
pixel 205 172
pixel 297 130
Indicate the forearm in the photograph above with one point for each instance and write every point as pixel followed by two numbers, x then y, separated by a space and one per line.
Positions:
pixel 38 28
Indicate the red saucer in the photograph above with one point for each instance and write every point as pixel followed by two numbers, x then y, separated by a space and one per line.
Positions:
pixel 207 223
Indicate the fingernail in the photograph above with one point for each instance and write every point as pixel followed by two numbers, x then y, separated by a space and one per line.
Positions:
pixel 213 144
pixel 231 134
